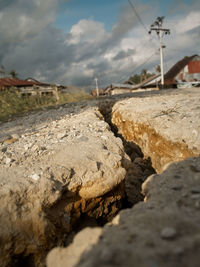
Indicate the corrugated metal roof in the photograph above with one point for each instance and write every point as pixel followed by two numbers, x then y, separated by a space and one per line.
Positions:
pixel 8 82
pixel 146 82
pixel 171 74
pixel 150 79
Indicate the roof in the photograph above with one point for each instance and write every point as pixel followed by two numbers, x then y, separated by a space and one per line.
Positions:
pixel 126 86
pixel 171 74
pixel 8 82
pixel 122 86
pixel 147 82
pixel 150 79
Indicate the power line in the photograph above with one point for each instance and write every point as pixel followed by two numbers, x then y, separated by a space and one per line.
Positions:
pixel 137 15
pixel 138 67
pixel 109 81
pixel 140 20
pixel 144 26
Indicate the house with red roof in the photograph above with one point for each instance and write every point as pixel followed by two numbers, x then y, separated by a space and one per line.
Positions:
pixel 28 87
pixel 185 71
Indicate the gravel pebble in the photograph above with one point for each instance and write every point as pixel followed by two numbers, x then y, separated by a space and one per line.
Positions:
pixel 168 233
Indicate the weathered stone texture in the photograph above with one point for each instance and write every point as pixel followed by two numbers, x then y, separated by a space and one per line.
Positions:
pixel 165 126
pixel 162 231
pixel 59 165
pixel 71 255
pixel 54 173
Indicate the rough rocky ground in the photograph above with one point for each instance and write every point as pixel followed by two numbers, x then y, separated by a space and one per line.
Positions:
pixel 166 127
pixel 162 231
pixel 61 164
pixel 57 166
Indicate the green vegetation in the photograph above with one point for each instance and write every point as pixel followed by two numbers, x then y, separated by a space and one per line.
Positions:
pixel 13 74
pixel 135 79
pixel 12 103
pixel 138 78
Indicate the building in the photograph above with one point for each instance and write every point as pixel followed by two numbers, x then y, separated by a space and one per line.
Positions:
pixel 29 87
pixel 116 88
pixel 185 71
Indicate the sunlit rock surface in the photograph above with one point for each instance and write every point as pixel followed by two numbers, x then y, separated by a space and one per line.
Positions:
pixel 60 164
pixel 165 126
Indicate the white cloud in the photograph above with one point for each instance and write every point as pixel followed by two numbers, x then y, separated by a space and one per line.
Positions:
pixel 87 31
pixel 191 21
pixel 33 47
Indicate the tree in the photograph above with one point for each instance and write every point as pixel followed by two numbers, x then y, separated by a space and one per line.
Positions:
pixel 13 74
pixel 138 78
pixel 143 75
pixel 158 69
pixel 2 71
pixel 135 79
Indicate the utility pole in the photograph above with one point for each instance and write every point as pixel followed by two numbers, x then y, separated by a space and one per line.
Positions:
pixel 97 87
pixel 157 27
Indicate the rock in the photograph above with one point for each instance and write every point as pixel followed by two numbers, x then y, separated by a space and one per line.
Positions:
pixel 10 141
pixel 168 233
pixel 45 192
pixel 4 137
pixel 71 255
pixel 15 136
pixel 61 135
pixel 162 231
pixel 195 190
pixel 83 138
pixel 7 161
pixel 4 149
pixel 82 175
pixel 34 148
pixel 157 128
pixel 35 176
pixel 195 196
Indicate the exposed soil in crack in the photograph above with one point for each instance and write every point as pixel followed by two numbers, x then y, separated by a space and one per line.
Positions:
pixel 141 167
pixel 83 213
pixel 162 151
pixel 105 208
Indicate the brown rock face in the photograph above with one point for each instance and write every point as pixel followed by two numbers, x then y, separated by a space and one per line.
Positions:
pixel 164 126
pixel 161 150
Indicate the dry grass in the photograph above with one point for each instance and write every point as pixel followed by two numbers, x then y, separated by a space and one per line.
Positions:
pixel 11 102
pixel 169 112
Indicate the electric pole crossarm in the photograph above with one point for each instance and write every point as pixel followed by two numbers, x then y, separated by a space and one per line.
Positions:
pixel 156 29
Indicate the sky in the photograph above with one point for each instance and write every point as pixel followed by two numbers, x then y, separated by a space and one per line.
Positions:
pixel 71 42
